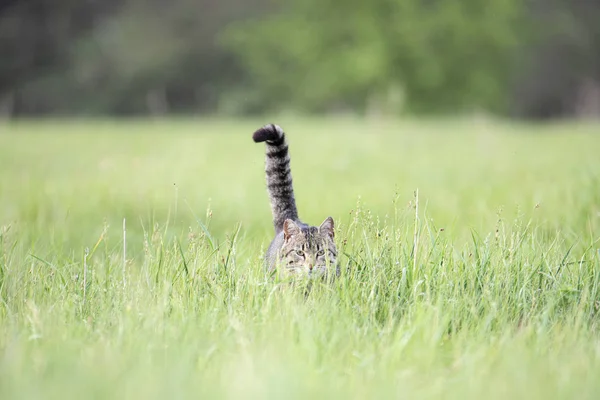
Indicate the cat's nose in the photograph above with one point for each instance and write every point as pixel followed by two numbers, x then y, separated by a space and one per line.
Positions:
pixel 310 267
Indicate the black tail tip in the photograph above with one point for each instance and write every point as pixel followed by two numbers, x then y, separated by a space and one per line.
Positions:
pixel 268 133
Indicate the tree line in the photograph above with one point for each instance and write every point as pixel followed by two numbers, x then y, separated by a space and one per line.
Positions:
pixel 530 59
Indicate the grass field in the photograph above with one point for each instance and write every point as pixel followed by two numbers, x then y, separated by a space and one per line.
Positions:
pixel 471 262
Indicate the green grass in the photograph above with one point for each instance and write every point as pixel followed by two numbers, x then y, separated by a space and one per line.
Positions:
pixel 471 264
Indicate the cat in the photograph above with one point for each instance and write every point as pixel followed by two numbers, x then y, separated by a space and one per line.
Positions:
pixel 297 248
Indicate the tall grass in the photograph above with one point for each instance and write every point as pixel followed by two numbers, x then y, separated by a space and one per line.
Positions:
pixel 131 262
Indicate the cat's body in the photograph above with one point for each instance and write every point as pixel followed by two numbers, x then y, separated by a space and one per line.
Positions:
pixel 298 248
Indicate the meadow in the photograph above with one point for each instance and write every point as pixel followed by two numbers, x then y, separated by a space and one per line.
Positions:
pixel 131 261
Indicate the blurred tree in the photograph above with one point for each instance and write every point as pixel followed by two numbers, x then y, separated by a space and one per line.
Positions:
pixel 159 56
pixel 34 40
pixel 559 72
pixel 537 58
pixel 445 56
pixel 116 56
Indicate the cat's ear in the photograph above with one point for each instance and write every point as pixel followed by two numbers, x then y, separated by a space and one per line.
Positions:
pixel 327 227
pixel 290 229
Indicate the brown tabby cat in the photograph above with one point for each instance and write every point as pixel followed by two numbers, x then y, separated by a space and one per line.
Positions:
pixel 298 248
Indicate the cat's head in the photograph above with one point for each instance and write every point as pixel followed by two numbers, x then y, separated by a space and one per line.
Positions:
pixel 309 250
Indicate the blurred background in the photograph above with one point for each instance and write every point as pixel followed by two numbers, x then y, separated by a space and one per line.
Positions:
pixel 530 59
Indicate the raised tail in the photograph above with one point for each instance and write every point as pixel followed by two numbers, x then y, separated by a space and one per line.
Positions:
pixel 279 176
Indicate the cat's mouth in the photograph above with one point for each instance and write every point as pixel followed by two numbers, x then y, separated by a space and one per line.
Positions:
pixel 313 273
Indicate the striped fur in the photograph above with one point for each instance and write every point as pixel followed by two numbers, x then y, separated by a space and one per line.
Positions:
pixel 300 248
pixel 279 175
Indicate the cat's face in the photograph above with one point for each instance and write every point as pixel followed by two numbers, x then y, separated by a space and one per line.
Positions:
pixel 309 251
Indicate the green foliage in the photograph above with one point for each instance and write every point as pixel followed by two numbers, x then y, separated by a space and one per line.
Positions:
pixel 233 57
pixel 470 262
pixel 445 56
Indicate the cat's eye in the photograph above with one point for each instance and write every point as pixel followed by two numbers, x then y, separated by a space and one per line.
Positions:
pixel 321 253
pixel 299 253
